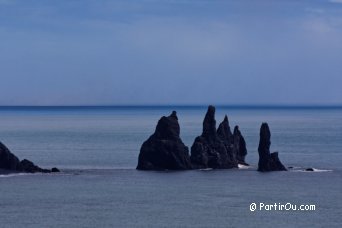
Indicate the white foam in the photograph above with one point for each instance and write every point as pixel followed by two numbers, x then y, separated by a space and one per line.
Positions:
pixel 322 170
pixel 15 174
pixel 314 170
pixel 240 166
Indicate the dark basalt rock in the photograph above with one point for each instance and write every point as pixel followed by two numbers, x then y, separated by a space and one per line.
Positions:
pixel 240 149
pixel 55 170
pixel 309 169
pixel 11 163
pixel 8 161
pixel 209 150
pixel 30 167
pixel 164 150
pixel 225 134
pixel 267 161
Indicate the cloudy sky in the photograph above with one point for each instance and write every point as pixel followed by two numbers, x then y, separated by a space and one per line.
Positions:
pixel 102 52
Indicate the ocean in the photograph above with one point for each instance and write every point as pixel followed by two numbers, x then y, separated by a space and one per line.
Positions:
pixel 97 150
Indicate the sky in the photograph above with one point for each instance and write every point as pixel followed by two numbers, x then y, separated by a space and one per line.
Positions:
pixel 167 52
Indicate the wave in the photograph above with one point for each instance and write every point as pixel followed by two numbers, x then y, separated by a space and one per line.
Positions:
pixel 16 174
pixel 320 170
pixel 300 169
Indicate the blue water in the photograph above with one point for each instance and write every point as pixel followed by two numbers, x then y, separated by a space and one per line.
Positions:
pixel 97 150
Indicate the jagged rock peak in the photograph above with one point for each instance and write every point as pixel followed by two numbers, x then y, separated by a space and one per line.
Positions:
pixel 174 115
pixel 209 123
pixel 267 161
pixel 265 137
pixel 164 149
pixel 211 150
pixel 168 127
pixel 224 129
pixel 240 148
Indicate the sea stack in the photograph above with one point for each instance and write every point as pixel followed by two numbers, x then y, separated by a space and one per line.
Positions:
pixel 225 134
pixel 11 163
pixel 239 145
pixel 208 149
pixel 267 161
pixel 164 150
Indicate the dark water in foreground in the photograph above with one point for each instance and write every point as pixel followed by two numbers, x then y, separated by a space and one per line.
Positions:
pixel 97 150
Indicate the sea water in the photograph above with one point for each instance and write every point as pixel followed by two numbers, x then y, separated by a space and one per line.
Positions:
pixel 97 148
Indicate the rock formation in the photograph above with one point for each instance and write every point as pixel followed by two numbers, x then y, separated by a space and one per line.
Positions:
pixel 225 134
pixel 217 149
pixel 239 146
pixel 212 149
pixel 11 163
pixel 164 150
pixel 267 161
pixel 224 131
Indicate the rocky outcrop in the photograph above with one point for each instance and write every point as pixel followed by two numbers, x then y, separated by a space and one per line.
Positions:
pixel 212 148
pixel 225 134
pixel 267 161
pixel 29 167
pixel 10 163
pixel 239 146
pixel 217 149
pixel 55 170
pixel 164 150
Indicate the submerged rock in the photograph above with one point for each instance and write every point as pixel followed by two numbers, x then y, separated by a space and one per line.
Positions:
pixel 267 161
pixel 309 169
pixel 10 162
pixel 212 149
pixel 164 150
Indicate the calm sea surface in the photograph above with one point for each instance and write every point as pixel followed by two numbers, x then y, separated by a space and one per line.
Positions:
pixel 97 150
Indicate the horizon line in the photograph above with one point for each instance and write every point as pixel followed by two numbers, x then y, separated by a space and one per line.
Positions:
pixel 179 105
